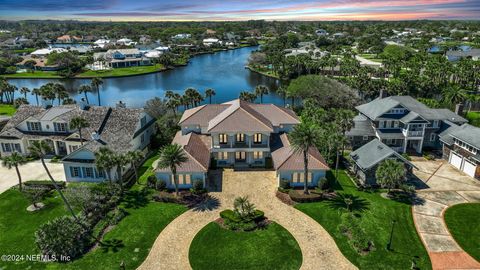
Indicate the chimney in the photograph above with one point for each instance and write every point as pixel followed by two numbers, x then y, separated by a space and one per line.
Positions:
pixel 383 94
pixel 120 104
pixel 459 109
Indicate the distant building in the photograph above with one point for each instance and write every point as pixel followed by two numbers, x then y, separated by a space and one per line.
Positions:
pixel 126 42
pixel 182 36
pixel 68 39
pixel 211 41
pixel 118 58
pixel 321 32
pixel 40 63
pixel 47 51
pixel 101 43
pixel 473 54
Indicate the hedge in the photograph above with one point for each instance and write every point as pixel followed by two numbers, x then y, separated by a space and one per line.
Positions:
pixel 304 198
pixel 45 184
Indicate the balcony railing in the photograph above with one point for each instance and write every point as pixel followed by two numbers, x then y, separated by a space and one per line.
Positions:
pixel 415 133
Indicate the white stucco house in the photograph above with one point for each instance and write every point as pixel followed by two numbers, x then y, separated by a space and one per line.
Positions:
pixel 119 129
pixel 240 134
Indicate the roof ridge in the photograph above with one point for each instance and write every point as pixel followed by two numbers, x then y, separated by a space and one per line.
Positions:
pixel 199 109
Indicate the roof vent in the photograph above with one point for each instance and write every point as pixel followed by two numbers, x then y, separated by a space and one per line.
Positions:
pixel 95 136
pixel 380 147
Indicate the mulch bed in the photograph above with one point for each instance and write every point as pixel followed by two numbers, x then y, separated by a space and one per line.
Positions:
pixel 285 198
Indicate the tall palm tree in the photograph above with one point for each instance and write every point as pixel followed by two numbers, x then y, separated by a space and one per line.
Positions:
pixel 39 149
pixel 62 95
pixel 390 173
pixel 85 88
pixel 247 96
pixel 104 161
pixel 302 138
pixel 13 161
pixel 24 91
pixel 209 93
pixel 134 158
pixel 95 84
pixel 36 92
pixel 120 160
pixel 79 123
pixel 172 156
pixel 282 91
pixel 453 94
pixel 261 90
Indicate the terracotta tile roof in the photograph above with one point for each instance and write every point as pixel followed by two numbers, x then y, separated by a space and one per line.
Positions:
pixel 275 114
pixel 286 159
pixel 201 115
pixel 197 149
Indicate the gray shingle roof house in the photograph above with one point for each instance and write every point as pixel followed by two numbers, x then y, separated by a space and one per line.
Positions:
pixel 241 134
pixel 120 129
pixel 473 54
pixel 117 58
pixel 461 148
pixel 369 156
pixel 401 122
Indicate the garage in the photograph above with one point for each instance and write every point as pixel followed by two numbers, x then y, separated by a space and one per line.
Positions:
pixel 469 168
pixel 455 160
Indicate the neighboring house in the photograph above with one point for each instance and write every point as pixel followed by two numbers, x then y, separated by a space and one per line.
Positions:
pixel 47 51
pixel 40 64
pixel 101 43
pixel 473 54
pixel 461 148
pixel 402 123
pixel 119 129
pixel 126 42
pixel 290 166
pixel 182 36
pixel 68 39
pixel 118 58
pixel 312 51
pixel 242 134
pixel 367 158
pixel 321 32
pixel 145 39
pixel 211 41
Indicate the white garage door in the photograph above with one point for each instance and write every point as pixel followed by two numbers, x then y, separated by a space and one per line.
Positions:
pixel 469 168
pixel 455 160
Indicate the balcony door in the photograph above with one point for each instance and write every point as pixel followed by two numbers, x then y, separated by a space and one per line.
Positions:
pixel 240 156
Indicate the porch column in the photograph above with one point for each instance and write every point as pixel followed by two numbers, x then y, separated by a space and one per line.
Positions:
pixel 231 138
pixel 204 184
pixel 420 146
pixel 405 145
pixel 55 147
pixel 250 138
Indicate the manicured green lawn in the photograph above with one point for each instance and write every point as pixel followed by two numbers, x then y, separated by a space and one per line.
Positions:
pixel 6 109
pixel 36 74
pixel 217 248
pixel 463 222
pixel 118 72
pixel 376 215
pixel 473 118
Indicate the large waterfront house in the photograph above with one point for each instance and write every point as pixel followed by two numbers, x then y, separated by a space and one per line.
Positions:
pixel 240 134
pixel 461 148
pixel 118 58
pixel 119 129
pixel 402 123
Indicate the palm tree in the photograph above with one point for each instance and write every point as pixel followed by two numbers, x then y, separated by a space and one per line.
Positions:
pixel 36 92
pixel 24 91
pixel 39 149
pixel 95 84
pixel 79 123
pixel 209 93
pixel 120 160
pixel 302 138
pixel 13 161
pixel 390 173
pixel 261 90
pixel 282 91
pixel 62 95
pixel 134 158
pixel 172 156
pixel 104 161
pixel 85 88
pixel 247 96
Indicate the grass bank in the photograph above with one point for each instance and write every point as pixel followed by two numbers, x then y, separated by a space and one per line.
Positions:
pixel 217 248
pixel 473 118
pixel 7 110
pixel 375 215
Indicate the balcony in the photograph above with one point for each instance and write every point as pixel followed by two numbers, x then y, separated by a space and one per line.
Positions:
pixel 415 133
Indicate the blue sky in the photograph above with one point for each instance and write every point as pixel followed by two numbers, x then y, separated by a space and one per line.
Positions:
pixel 206 10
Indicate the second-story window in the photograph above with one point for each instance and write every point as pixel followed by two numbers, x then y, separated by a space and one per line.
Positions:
pixel 223 138
pixel 257 138
pixel 34 126
pixel 143 121
pixel 60 127
pixel 240 137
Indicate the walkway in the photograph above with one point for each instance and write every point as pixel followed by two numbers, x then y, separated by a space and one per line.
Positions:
pixel 445 187
pixel 170 250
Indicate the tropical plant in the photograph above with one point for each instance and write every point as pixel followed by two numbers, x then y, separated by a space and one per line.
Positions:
pixel 243 207
pixel 84 89
pixel 36 92
pixel 172 156
pixel 390 173
pixel 453 94
pixel 302 138
pixel 209 93
pixel 134 158
pixel 13 161
pixel 24 91
pixel 247 96
pixel 104 161
pixel 95 84
pixel 79 123
pixel 261 90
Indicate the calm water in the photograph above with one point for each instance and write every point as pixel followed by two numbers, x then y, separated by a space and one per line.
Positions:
pixel 223 71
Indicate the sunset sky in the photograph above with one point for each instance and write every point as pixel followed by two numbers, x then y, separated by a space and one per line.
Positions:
pixel 206 10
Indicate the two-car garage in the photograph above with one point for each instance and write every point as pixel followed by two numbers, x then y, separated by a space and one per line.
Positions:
pixel 463 164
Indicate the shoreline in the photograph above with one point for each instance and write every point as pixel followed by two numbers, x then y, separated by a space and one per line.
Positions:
pixel 261 73
pixel 9 77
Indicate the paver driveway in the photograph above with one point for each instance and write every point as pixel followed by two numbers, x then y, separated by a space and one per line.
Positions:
pixel 319 251
pixel 30 171
pixel 444 186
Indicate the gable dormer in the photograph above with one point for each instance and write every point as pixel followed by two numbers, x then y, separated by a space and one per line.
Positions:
pixel 395 112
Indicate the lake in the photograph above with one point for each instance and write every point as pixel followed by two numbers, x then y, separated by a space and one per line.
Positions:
pixel 223 71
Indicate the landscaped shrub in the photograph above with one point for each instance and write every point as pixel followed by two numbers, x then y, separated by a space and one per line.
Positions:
pixel 163 196
pixel 152 181
pixel 35 194
pixel 198 187
pixel 63 236
pixel 406 156
pixel 284 184
pixel 244 217
pixel 323 183
pixel 45 184
pixel 358 239
pixel 268 163
pixel 161 185
pixel 299 196
pixel 117 215
pixel 429 157
pixel 230 215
